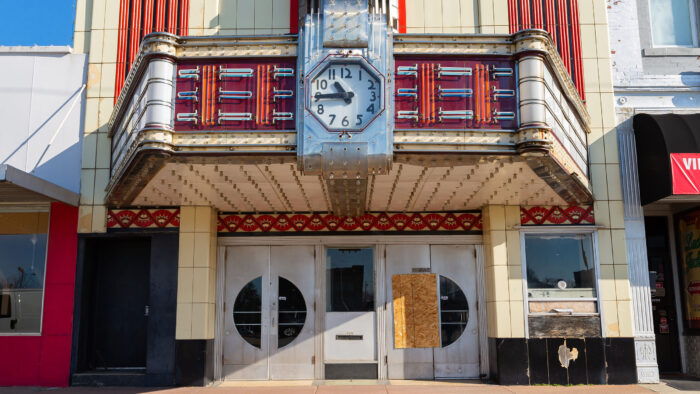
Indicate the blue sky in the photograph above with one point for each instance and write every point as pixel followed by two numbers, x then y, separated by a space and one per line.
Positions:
pixel 37 22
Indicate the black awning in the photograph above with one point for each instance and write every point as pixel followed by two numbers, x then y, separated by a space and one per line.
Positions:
pixel 657 137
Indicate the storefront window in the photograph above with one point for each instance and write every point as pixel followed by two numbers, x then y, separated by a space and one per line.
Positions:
pixel 350 280
pixel 560 266
pixel 23 241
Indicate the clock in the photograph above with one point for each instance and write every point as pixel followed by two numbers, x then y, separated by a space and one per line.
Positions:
pixel 345 94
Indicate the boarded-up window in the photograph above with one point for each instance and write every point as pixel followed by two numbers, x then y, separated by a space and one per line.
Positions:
pixel 416 320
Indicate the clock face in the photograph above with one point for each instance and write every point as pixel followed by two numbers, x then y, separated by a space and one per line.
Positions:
pixel 345 95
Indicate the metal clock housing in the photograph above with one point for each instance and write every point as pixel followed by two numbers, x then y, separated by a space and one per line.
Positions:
pixel 345 93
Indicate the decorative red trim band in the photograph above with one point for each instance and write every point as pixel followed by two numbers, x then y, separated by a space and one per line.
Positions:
pixel 143 218
pixel 371 222
pixel 534 216
pixel 402 16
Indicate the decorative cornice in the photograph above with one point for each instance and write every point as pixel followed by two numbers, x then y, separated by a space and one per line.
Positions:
pixel 143 218
pixel 370 222
pixel 544 215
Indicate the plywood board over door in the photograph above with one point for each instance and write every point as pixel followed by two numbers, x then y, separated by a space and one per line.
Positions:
pixel 416 321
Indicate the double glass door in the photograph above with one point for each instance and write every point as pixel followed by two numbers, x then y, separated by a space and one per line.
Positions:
pixel 269 313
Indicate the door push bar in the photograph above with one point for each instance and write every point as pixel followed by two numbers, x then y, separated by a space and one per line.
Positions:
pixel 234 94
pixel 235 72
pixel 234 116
pixel 187 117
pixel 189 95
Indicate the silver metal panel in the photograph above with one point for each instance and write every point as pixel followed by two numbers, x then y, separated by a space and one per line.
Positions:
pixel 378 135
pixel 296 264
pixel 350 323
pixel 405 363
pixel 345 23
pixel 41 107
pixel 461 358
pixel 241 359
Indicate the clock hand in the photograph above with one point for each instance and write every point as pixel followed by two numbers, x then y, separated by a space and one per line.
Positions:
pixel 346 96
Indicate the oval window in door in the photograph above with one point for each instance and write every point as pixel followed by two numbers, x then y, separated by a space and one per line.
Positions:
pixel 291 314
pixel 454 311
pixel 247 312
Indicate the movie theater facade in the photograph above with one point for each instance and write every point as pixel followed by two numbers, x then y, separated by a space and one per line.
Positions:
pixel 333 189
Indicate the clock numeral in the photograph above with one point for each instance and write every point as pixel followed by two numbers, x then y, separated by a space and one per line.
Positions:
pixel 319 109
pixel 370 109
pixel 322 84
pixel 360 74
pixel 359 120
pixel 373 96
pixel 346 74
pixel 332 119
pixel 331 73
pixel 345 122
pixel 371 85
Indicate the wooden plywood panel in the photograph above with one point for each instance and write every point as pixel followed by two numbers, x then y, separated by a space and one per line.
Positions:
pixel 416 320
pixel 425 309
pixel 402 301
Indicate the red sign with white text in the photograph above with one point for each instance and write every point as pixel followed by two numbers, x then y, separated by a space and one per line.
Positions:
pixel 685 173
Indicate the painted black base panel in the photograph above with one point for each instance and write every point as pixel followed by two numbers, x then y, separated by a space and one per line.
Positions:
pixel 193 365
pixel 124 379
pixel 592 360
pixel 351 371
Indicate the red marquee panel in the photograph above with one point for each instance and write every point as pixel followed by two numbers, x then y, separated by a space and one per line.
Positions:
pixel 370 222
pixel 455 93
pixel 238 94
pixel 533 216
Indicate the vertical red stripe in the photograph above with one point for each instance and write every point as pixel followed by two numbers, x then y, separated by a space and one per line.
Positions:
pixel 294 16
pixel 172 17
pixel 537 14
pixel 160 15
pixel 524 14
pixel 135 28
pixel 122 35
pixel 564 34
pixel 512 16
pixel 402 16
pixel 184 14
pixel 147 17
pixel 551 24
pixel 576 40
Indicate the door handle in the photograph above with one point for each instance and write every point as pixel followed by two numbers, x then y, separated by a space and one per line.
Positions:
pixel 146 310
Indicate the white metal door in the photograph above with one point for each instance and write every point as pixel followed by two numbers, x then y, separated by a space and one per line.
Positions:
pixel 291 354
pixel 269 313
pixel 247 270
pixel 405 363
pixel 460 359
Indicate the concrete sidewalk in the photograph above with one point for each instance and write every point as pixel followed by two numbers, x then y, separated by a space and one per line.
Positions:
pixel 370 387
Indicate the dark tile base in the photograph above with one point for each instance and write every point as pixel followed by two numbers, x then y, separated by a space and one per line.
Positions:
pixel 351 371
pixel 520 361
pixel 193 365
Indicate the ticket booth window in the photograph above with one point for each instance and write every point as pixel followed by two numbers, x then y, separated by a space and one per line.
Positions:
pixel 560 266
pixel 23 239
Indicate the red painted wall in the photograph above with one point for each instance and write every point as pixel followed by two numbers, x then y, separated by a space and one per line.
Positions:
pixel 44 360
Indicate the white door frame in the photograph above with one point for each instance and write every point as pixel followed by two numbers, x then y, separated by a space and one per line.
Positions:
pixel 379 242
